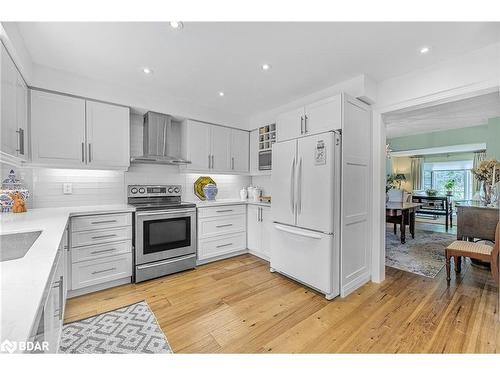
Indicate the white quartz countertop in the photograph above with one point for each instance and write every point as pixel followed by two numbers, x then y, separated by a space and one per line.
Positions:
pixel 228 202
pixel 23 280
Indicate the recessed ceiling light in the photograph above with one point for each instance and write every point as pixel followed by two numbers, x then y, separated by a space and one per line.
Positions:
pixel 147 71
pixel 221 93
pixel 176 25
pixel 266 66
pixel 424 50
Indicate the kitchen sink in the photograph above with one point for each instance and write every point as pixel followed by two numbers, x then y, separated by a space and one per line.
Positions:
pixel 16 245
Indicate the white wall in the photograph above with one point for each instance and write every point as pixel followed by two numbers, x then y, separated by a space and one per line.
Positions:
pixel 362 87
pixel 264 182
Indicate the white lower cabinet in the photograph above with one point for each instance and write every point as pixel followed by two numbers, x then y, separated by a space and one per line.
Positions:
pixel 221 232
pixel 259 230
pixel 47 334
pixel 101 251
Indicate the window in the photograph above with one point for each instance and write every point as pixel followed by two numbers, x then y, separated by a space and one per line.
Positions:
pixel 437 174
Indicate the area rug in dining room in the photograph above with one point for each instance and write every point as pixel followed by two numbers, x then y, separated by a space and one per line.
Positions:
pixel 130 329
pixel 423 255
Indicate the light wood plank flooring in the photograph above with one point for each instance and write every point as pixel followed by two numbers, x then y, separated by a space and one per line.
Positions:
pixel 237 306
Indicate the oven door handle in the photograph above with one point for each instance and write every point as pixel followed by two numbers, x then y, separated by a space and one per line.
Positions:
pixel 170 212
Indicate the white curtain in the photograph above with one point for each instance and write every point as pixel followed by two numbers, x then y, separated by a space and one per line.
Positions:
pixel 479 156
pixel 417 172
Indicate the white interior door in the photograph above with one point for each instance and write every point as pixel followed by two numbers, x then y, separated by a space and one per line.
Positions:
pixel 289 125
pixel 356 205
pixel 315 184
pixel 108 135
pixel 57 129
pixel 283 181
pixel 221 140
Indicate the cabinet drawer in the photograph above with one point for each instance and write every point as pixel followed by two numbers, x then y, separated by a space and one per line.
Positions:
pixel 209 248
pixel 80 254
pixel 221 210
pixel 100 222
pixel 99 271
pixel 95 237
pixel 214 226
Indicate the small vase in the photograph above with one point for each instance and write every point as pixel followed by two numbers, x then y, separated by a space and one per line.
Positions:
pixel 486 193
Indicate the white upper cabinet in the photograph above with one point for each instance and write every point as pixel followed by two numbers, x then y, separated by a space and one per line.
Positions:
pixel 323 116
pixel 239 150
pixel 13 109
pixel 196 146
pixel 77 133
pixel 215 148
pixel 290 124
pixel 221 139
pixel 108 135
pixel 57 130
pixel 314 118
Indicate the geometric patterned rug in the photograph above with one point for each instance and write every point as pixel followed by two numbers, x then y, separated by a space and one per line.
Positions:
pixel 423 255
pixel 130 329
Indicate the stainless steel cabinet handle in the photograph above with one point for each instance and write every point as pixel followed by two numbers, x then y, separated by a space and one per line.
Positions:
pixel 224 211
pixel 164 137
pixel 292 185
pixel 106 270
pixel 20 133
pixel 105 236
pixel 213 162
pixel 61 296
pixel 299 188
pixel 209 161
pixel 102 251
pixel 232 163
pixel 224 225
pixel 226 244
pixel 83 152
pixel 103 221
pixel 305 124
pixel 90 152
pixel 301 125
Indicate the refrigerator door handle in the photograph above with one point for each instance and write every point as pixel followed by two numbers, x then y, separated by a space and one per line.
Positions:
pixel 292 185
pixel 297 232
pixel 299 187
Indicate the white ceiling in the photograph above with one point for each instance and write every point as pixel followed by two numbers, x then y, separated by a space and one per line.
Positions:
pixel 463 113
pixel 202 59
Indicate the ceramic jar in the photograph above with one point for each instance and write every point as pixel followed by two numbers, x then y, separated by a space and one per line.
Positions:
pixel 210 191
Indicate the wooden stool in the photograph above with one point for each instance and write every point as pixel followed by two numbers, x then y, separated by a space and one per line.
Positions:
pixel 474 250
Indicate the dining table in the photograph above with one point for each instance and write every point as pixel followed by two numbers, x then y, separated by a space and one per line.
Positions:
pixel 402 213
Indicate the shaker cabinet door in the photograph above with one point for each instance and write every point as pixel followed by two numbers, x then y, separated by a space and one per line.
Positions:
pixel 57 129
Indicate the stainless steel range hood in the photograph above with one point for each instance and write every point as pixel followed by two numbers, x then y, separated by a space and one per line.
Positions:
pixel 161 140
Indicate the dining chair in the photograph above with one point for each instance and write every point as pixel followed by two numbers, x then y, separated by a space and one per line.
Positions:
pixel 482 252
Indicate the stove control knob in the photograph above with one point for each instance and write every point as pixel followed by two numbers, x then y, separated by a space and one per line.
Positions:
pixel 177 190
pixel 133 190
pixel 170 190
pixel 141 190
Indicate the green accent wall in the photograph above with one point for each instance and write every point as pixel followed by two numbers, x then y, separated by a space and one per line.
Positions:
pixel 493 140
pixel 475 134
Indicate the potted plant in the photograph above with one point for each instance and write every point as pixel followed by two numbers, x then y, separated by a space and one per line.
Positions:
pixel 449 185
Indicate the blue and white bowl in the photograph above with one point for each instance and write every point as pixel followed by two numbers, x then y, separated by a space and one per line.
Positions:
pixel 210 191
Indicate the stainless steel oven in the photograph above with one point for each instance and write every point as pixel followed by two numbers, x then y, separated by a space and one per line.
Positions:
pixel 164 231
pixel 164 234
pixel 265 160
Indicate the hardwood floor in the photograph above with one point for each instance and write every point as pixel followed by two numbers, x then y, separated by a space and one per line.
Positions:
pixel 237 306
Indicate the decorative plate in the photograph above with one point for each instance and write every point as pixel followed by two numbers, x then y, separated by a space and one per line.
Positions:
pixel 199 184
